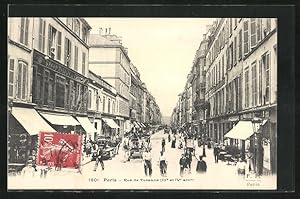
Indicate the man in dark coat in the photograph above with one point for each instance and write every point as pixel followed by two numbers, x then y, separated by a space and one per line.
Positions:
pixel 183 164
pixel 163 143
pixel 189 159
pixel 201 165
pixel 99 158
pixel 216 153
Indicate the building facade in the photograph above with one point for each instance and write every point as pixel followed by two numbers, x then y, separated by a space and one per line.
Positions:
pixel 109 59
pixel 48 81
pixel 237 83
pixel 102 107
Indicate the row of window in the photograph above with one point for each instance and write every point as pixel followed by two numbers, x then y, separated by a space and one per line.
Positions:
pixel 74 24
pixel 55 47
pixel 259 82
pixel 106 108
pixel 228 99
pixel 234 51
pixel 259 72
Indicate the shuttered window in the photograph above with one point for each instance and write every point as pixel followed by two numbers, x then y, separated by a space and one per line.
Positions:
pixel 42 35
pixel 24 30
pixel 11 74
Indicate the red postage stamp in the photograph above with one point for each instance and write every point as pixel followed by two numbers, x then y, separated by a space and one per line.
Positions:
pixel 59 150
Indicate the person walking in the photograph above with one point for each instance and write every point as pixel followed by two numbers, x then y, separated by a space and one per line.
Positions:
pixel 173 141
pixel 250 164
pixel 163 143
pixel 163 164
pixel 201 165
pixel 189 159
pixel 169 137
pixel 147 162
pixel 99 158
pixel 28 170
pixel 204 154
pixel 216 153
pixel 88 148
pixel 182 164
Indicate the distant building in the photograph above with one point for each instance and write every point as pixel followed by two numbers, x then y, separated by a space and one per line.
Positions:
pixel 109 59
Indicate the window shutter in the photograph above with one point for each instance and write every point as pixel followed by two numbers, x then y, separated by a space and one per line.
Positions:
pixel 49 39
pixel 66 51
pixel 22 30
pixel 40 34
pixel 26 31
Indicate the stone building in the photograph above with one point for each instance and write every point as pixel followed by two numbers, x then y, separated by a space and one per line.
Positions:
pixel 47 79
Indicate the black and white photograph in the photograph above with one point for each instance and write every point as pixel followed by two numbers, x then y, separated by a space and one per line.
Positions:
pixel 142 103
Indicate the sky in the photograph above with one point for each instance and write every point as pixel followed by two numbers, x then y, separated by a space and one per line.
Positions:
pixel 162 49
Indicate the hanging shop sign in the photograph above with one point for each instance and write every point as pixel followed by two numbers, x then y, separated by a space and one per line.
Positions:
pixel 59 150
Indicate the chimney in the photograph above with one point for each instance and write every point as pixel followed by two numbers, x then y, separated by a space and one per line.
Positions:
pixel 100 30
pixel 105 31
pixel 109 29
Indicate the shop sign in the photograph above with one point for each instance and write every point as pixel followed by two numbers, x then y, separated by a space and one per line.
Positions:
pixel 50 64
pixel 59 150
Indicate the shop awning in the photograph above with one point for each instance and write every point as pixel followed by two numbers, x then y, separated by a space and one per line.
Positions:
pixel 60 119
pixel 86 124
pixel 143 125
pixel 32 122
pixel 111 123
pixel 242 130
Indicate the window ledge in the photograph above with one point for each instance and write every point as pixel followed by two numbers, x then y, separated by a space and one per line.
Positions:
pixel 20 45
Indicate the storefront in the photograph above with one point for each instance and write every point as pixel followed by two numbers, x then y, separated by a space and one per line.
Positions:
pixel 88 127
pixel 109 127
pixel 56 87
pixel 25 124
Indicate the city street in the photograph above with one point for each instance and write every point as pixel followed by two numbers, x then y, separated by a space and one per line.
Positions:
pixel 119 174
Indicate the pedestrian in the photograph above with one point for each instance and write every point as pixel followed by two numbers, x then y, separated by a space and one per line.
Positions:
pixel 147 162
pixel 169 137
pixel 99 158
pixel 173 141
pixel 216 153
pixel 201 165
pixel 163 164
pixel 241 167
pixel 204 154
pixel 182 164
pixel 250 164
pixel 88 148
pixel 44 168
pixel 163 143
pixel 189 159
pixel 28 170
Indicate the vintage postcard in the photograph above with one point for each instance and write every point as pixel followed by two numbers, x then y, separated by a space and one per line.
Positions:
pixel 142 103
